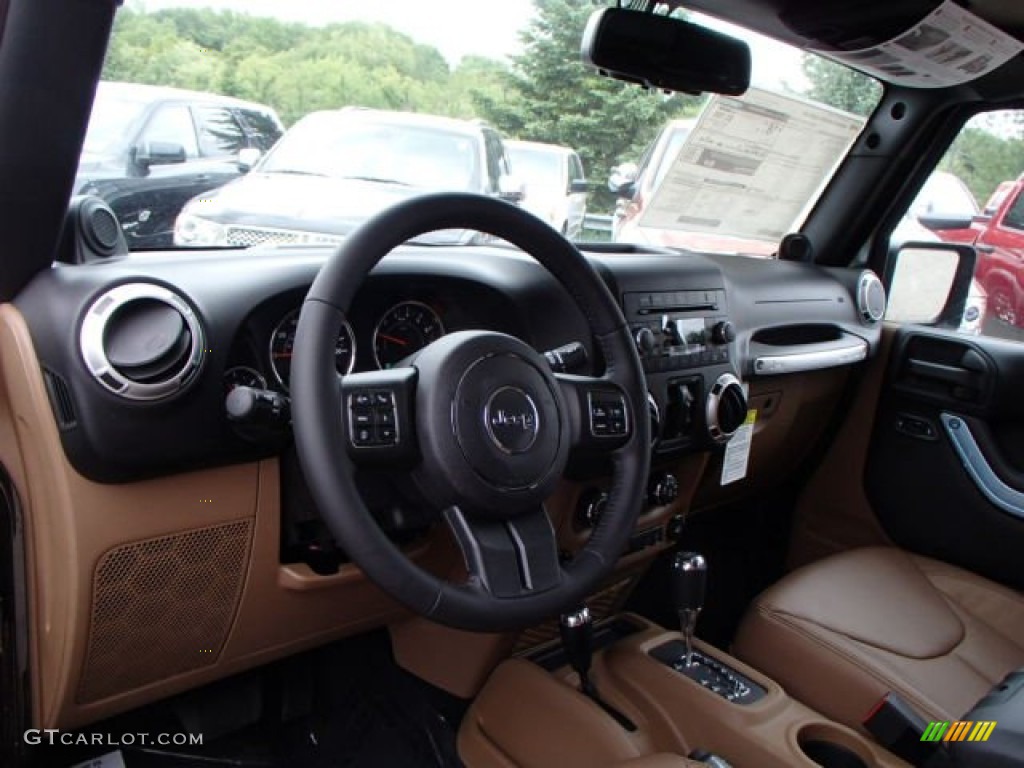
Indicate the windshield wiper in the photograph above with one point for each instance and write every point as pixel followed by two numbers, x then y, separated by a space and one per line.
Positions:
pixel 379 180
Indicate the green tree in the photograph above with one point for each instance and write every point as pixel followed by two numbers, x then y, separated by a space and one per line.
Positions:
pixel 292 67
pixel 840 86
pixel 551 96
pixel 983 160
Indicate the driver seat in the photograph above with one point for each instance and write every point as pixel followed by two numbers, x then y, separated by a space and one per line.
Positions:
pixel 842 632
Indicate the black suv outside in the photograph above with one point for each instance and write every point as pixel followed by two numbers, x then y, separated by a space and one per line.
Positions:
pixel 149 149
pixel 334 169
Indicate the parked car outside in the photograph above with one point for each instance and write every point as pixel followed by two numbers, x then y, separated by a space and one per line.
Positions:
pixel 555 184
pixel 150 149
pixel 334 169
pixel 997 233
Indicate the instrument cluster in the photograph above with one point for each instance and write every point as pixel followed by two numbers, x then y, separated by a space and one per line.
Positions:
pixel 403 329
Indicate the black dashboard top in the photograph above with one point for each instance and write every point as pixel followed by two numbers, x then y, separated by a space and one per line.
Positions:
pixel 238 308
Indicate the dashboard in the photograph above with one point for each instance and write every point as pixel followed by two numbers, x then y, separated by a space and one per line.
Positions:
pixel 139 388
pixel 154 504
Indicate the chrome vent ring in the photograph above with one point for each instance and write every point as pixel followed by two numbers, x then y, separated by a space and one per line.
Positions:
pixel 142 342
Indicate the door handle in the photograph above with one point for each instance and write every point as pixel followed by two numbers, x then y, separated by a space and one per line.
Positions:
pixel 950 374
pixel 983 248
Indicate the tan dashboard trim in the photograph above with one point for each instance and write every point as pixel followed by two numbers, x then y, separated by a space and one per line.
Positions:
pixel 71 523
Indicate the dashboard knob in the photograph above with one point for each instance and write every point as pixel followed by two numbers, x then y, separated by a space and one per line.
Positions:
pixel 646 341
pixel 726 408
pixel 590 508
pixel 663 490
pixel 723 332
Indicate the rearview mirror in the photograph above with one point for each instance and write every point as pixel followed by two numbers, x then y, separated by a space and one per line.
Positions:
pixel 159 153
pixel 665 53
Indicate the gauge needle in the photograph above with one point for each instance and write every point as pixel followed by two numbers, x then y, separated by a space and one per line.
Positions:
pixel 280 355
pixel 394 340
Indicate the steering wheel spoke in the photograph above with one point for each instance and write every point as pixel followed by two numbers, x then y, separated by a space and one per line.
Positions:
pixel 601 416
pixel 509 558
pixel 377 410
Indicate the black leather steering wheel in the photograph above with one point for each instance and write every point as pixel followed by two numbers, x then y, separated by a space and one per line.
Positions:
pixel 481 424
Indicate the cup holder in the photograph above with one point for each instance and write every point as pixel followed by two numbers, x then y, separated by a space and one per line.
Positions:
pixel 831 747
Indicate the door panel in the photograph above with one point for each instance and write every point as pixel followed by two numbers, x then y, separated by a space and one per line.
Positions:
pixel 945 468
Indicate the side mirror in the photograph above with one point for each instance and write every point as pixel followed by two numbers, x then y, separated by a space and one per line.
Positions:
pixel 939 222
pixel 929 283
pixel 578 186
pixel 622 181
pixel 511 188
pixel 247 158
pixel 150 153
pixel 665 53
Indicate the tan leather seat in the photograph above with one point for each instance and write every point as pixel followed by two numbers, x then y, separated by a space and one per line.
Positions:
pixel 840 633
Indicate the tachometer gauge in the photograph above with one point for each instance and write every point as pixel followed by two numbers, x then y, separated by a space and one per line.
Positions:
pixel 404 329
pixel 282 342
pixel 243 376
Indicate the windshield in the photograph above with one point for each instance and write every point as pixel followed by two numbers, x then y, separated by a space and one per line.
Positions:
pixel 408 98
pixel 339 145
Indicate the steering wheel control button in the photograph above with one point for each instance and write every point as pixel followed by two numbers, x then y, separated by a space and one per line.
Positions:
pixel 512 420
pixel 608 414
pixel 372 419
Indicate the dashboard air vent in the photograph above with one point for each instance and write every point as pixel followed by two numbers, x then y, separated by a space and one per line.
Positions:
pixel 870 297
pixel 142 341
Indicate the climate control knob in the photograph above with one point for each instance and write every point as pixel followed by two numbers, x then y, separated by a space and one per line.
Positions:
pixel 662 490
pixel 726 408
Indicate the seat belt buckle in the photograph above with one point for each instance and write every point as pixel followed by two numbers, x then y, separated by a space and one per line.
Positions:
pixel 897 727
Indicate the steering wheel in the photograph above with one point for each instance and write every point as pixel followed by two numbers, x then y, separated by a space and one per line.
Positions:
pixel 480 424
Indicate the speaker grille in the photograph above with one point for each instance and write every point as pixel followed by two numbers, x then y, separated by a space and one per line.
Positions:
pixel 162 607
pixel 105 230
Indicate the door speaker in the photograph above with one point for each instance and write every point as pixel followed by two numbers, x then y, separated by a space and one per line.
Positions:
pixel 163 606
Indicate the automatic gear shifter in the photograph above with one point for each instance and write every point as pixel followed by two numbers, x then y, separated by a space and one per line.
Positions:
pixel 689 573
pixel 689 584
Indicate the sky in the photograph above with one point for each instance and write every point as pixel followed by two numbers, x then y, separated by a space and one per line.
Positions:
pixel 461 31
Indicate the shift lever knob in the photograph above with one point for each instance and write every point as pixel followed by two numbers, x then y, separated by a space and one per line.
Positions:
pixel 689 581
pixel 577 630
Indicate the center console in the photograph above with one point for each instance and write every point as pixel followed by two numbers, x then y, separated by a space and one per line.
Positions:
pixel 629 688
pixel 528 717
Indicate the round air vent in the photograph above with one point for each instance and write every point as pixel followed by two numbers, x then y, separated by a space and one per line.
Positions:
pixel 142 341
pixel 870 297
pixel 726 408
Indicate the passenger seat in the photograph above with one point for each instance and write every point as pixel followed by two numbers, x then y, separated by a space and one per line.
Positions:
pixel 841 633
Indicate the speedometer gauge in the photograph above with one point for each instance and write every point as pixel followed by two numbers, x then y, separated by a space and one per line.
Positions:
pixel 282 342
pixel 404 329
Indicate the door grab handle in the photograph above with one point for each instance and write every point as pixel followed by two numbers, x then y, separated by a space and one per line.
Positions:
pixel 950 374
pixel 988 482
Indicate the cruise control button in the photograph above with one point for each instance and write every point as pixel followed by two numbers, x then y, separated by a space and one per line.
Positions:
pixel 363 436
pixel 361 400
